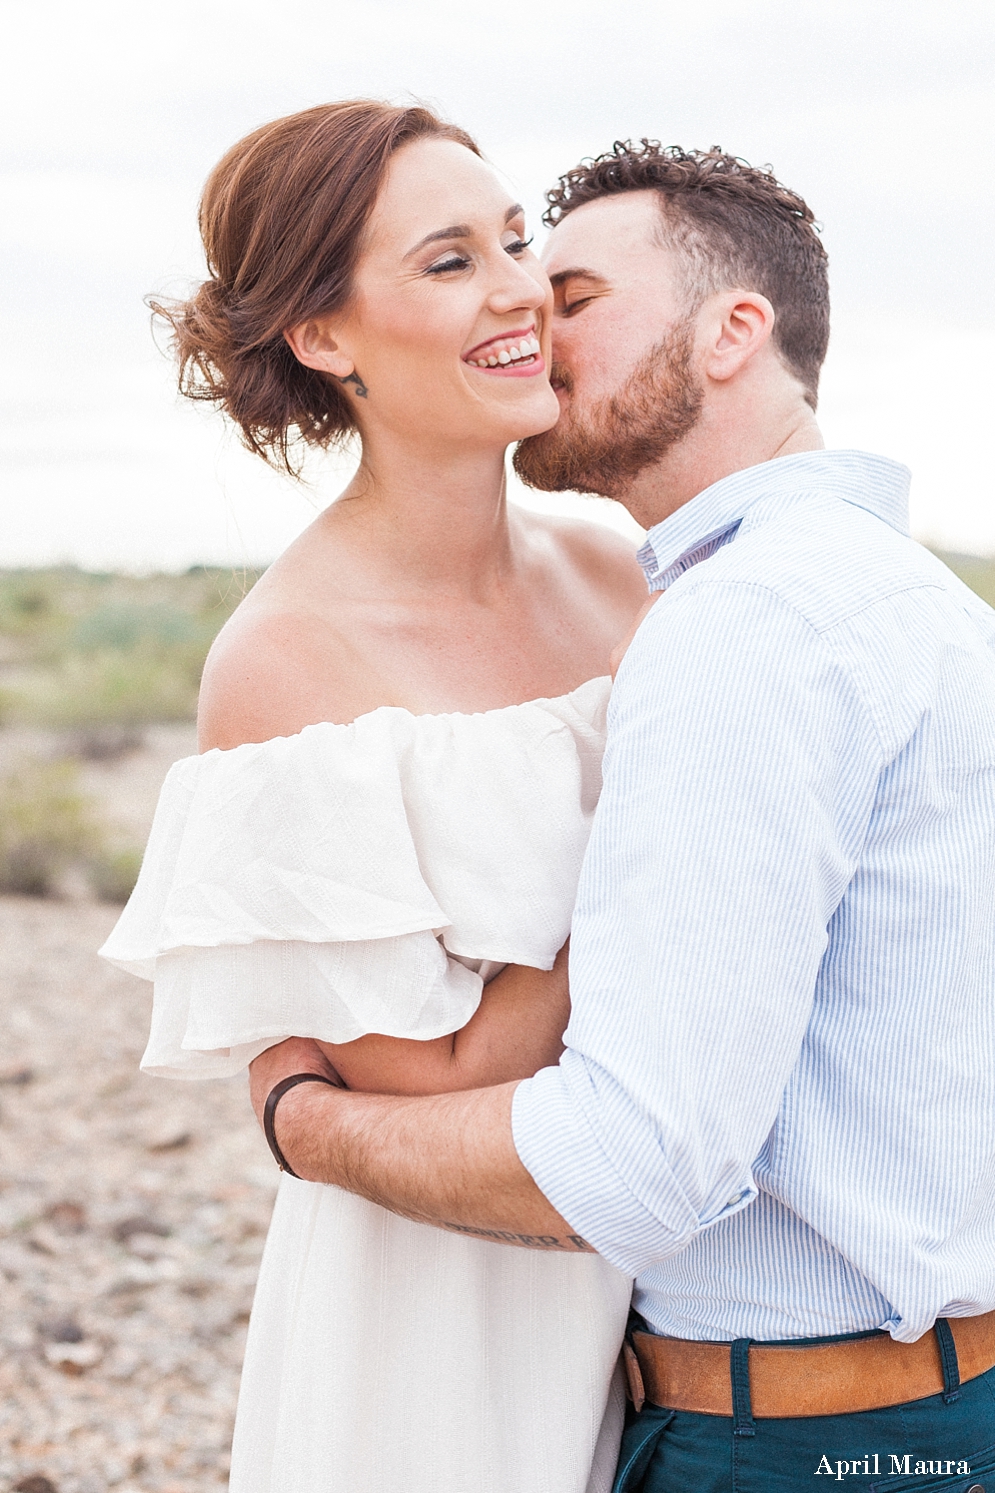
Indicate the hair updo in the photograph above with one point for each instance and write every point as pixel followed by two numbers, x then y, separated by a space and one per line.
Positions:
pixel 282 220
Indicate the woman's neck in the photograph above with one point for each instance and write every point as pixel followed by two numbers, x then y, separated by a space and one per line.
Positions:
pixel 438 524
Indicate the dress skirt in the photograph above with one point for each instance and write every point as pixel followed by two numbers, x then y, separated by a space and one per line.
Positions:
pixel 386 1356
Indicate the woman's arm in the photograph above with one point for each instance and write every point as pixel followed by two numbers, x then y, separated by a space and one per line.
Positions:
pixel 516 1030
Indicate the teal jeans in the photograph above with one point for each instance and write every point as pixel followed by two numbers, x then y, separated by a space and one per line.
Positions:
pixel 945 1442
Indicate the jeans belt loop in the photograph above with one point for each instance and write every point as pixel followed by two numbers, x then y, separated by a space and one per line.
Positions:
pixel 739 1371
pixel 948 1360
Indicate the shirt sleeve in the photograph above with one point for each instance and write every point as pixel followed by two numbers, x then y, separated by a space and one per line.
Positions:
pixel 739 778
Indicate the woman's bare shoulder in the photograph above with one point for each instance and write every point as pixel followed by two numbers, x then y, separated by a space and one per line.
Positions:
pixel 274 668
pixel 605 557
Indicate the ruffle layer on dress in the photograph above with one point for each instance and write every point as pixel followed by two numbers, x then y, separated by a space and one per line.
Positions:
pixel 359 878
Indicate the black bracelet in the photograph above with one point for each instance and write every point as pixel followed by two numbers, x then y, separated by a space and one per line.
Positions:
pixel 273 1098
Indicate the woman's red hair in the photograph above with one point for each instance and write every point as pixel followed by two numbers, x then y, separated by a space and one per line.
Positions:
pixel 282 220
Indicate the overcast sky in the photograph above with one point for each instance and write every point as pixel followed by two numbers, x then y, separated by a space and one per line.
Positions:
pixel 881 114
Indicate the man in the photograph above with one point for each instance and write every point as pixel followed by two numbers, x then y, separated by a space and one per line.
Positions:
pixel 777 1103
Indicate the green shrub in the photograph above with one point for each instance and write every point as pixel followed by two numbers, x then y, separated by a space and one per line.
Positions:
pixel 49 828
pixel 81 650
pixel 974 572
pixel 126 626
pixel 113 874
pixel 46 826
pixel 107 688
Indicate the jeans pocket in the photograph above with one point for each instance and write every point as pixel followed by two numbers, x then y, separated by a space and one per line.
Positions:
pixel 934 1478
pixel 639 1442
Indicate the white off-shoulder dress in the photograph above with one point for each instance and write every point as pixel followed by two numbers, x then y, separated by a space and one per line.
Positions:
pixel 371 878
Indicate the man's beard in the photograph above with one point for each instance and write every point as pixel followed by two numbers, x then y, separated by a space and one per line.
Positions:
pixel 604 449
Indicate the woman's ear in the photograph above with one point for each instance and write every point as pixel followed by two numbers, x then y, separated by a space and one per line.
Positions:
pixel 741 324
pixel 313 344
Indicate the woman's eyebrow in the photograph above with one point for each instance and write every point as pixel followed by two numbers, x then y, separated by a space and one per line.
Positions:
pixel 459 230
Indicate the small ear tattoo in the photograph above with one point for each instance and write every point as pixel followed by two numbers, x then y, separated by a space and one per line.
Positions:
pixel 354 378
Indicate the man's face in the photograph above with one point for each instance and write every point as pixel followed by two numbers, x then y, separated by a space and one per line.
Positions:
pixel 622 350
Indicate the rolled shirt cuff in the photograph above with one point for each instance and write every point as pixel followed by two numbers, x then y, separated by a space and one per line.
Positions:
pixel 561 1124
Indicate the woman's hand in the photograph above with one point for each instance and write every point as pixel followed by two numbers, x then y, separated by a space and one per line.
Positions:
pixel 295 1055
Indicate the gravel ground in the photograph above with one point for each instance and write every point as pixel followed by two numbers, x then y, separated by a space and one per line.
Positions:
pixel 132 1217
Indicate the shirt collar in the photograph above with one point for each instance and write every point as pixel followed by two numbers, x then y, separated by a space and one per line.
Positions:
pixel 712 518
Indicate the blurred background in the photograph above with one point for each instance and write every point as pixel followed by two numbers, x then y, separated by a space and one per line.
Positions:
pixel 879 113
pixel 131 1211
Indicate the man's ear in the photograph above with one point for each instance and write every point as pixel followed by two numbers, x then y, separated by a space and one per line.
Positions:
pixel 313 344
pixel 740 324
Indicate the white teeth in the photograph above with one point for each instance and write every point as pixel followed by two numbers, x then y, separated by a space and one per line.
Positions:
pixel 528 347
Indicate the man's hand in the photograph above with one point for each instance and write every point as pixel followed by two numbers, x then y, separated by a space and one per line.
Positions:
pixel 296 1055
pixel 446 1159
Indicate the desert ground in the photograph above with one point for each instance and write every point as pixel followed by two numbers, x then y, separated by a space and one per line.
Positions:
pixel 132 1209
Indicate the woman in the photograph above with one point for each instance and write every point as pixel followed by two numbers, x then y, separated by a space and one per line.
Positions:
pixel 402 727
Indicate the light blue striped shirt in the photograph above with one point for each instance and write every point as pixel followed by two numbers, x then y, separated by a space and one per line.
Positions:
pixel 777 1103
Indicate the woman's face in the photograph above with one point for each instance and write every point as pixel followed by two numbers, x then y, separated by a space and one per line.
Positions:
pixel 449 323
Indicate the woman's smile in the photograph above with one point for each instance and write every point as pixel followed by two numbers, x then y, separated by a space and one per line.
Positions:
pixel 511 354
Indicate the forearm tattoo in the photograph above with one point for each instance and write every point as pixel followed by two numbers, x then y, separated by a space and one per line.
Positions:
pixel 571 1242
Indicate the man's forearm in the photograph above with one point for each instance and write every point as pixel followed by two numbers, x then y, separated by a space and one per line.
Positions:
pixel 447 1160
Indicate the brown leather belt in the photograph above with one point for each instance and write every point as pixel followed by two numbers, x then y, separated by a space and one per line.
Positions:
pixel 821 1379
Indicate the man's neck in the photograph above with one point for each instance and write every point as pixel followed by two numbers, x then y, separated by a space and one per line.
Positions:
pixel 716 448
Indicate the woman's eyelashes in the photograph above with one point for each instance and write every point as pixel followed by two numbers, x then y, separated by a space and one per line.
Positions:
pixel 448 265
pixel 453 263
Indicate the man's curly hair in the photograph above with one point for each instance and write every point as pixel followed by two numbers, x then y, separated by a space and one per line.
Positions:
pixel 736 227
